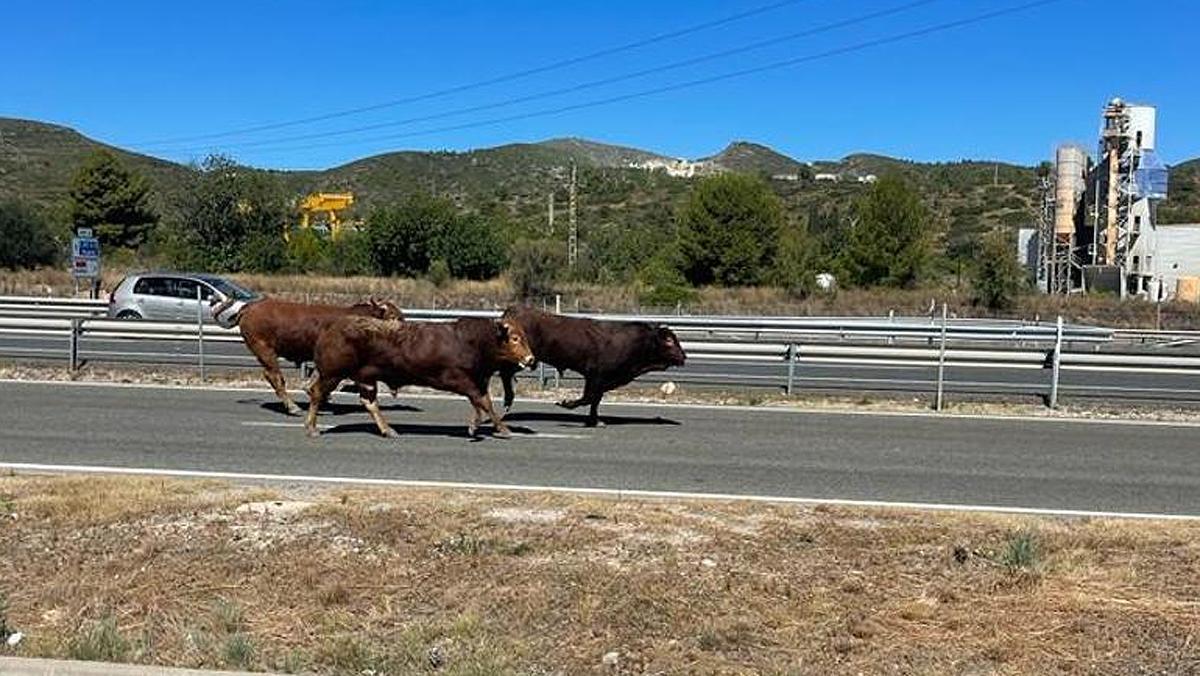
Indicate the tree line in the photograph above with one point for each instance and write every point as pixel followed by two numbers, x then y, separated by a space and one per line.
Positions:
pixel 729 230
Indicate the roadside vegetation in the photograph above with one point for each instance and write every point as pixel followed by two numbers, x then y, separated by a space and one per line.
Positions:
pixel 669 238
pixel 180 573
pixel 738 243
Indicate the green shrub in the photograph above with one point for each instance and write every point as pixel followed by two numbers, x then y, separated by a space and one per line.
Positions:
pixel 307 251
pixel 1021 551
pixel 471 247
pixel 536 267
pixel 439 272
pixel 100 642
pixel 25 237
pixel 1000 278
pixel 238 651
pixel 664 285
pixel 350 254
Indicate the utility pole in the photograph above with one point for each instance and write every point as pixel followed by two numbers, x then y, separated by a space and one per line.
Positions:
pixel 550 213
pixel 573 236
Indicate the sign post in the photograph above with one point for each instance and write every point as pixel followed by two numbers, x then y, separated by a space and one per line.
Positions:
pixel 85 258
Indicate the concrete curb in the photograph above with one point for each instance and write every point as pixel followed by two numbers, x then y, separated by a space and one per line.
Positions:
pixel 23 666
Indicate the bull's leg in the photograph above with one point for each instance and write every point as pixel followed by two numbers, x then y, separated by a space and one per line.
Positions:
pixel 506 380
pixel 593 392
pixel 590 390
pixel 482 403
pixel 275 377
pixel 576 403
pixel 473 421
pixel 270 363
pixel 501 430
pixel 369 396
pixel 318 391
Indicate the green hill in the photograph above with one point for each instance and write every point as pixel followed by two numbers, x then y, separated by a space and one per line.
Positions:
pixel 37 161
pixel 1183 194
pixel 753 158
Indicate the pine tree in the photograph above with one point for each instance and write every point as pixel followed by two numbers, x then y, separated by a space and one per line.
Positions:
pixel 728 230
pixel 892 240
pixel 111 200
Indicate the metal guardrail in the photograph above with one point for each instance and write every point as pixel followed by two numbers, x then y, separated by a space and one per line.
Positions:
pixel 771 343
pixel 761 328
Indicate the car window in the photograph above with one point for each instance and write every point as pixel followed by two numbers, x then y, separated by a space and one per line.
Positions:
pixel 154 286
pixel 186 288
pixel 230 289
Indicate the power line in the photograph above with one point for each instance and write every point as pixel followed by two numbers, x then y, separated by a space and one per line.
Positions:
pixel 899 37
pixel 591 84
pixel 508 77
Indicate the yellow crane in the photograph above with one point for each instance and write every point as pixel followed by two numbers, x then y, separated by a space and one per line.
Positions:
pixel 327 203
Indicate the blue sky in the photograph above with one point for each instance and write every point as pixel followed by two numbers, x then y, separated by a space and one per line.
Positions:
pixel 1009 88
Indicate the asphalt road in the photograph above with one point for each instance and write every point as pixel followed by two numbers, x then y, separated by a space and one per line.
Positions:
pixel 1062 465
pixel 1014 382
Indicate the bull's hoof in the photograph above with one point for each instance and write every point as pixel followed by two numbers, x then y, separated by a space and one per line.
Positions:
pixel 293 409
pixel 312 433
pixel 568 404
pixel 389 433
pixel 502 433
pixel 594 422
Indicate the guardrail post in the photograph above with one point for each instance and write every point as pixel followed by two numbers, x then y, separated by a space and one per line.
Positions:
pixel 73 348
pixel 941 362
pixel 200 331
pixel 1055 363
pixel 791 360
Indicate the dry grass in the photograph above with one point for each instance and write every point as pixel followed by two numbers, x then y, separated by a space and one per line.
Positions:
pixel 498 293
pixel 421 581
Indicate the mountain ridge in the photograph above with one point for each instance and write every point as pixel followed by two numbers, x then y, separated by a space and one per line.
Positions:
pixel 37 160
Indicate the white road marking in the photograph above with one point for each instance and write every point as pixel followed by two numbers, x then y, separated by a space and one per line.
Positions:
pixel 570 490
pixel 515 435
pixel 274 423
pixel 794 410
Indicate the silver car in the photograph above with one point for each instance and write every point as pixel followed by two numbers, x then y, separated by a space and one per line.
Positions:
pixel 172 296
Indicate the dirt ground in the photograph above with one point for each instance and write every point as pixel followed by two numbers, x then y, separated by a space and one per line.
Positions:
pixel 309 579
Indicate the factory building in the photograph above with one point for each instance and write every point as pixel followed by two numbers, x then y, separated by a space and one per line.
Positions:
pixel 1098 229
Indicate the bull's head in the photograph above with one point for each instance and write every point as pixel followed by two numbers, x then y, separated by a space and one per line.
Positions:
pixel 669 349
pixel 514 346
pixel 384 309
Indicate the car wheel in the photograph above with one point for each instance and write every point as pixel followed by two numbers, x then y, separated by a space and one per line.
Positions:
pixel 128 314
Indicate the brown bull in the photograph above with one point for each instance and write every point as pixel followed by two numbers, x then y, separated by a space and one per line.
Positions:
pixel 273 328
pixel 458 357
pixel 608 354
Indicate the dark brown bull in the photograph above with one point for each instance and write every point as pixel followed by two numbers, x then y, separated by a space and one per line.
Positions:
pixel 273 328
pixel 458 357
pixel 607 354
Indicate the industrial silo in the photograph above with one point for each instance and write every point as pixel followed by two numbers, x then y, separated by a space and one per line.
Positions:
pixel 1070 167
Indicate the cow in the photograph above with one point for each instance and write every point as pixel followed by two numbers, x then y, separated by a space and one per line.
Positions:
pixel 608 354
pixel 458 357
pixel 273 328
